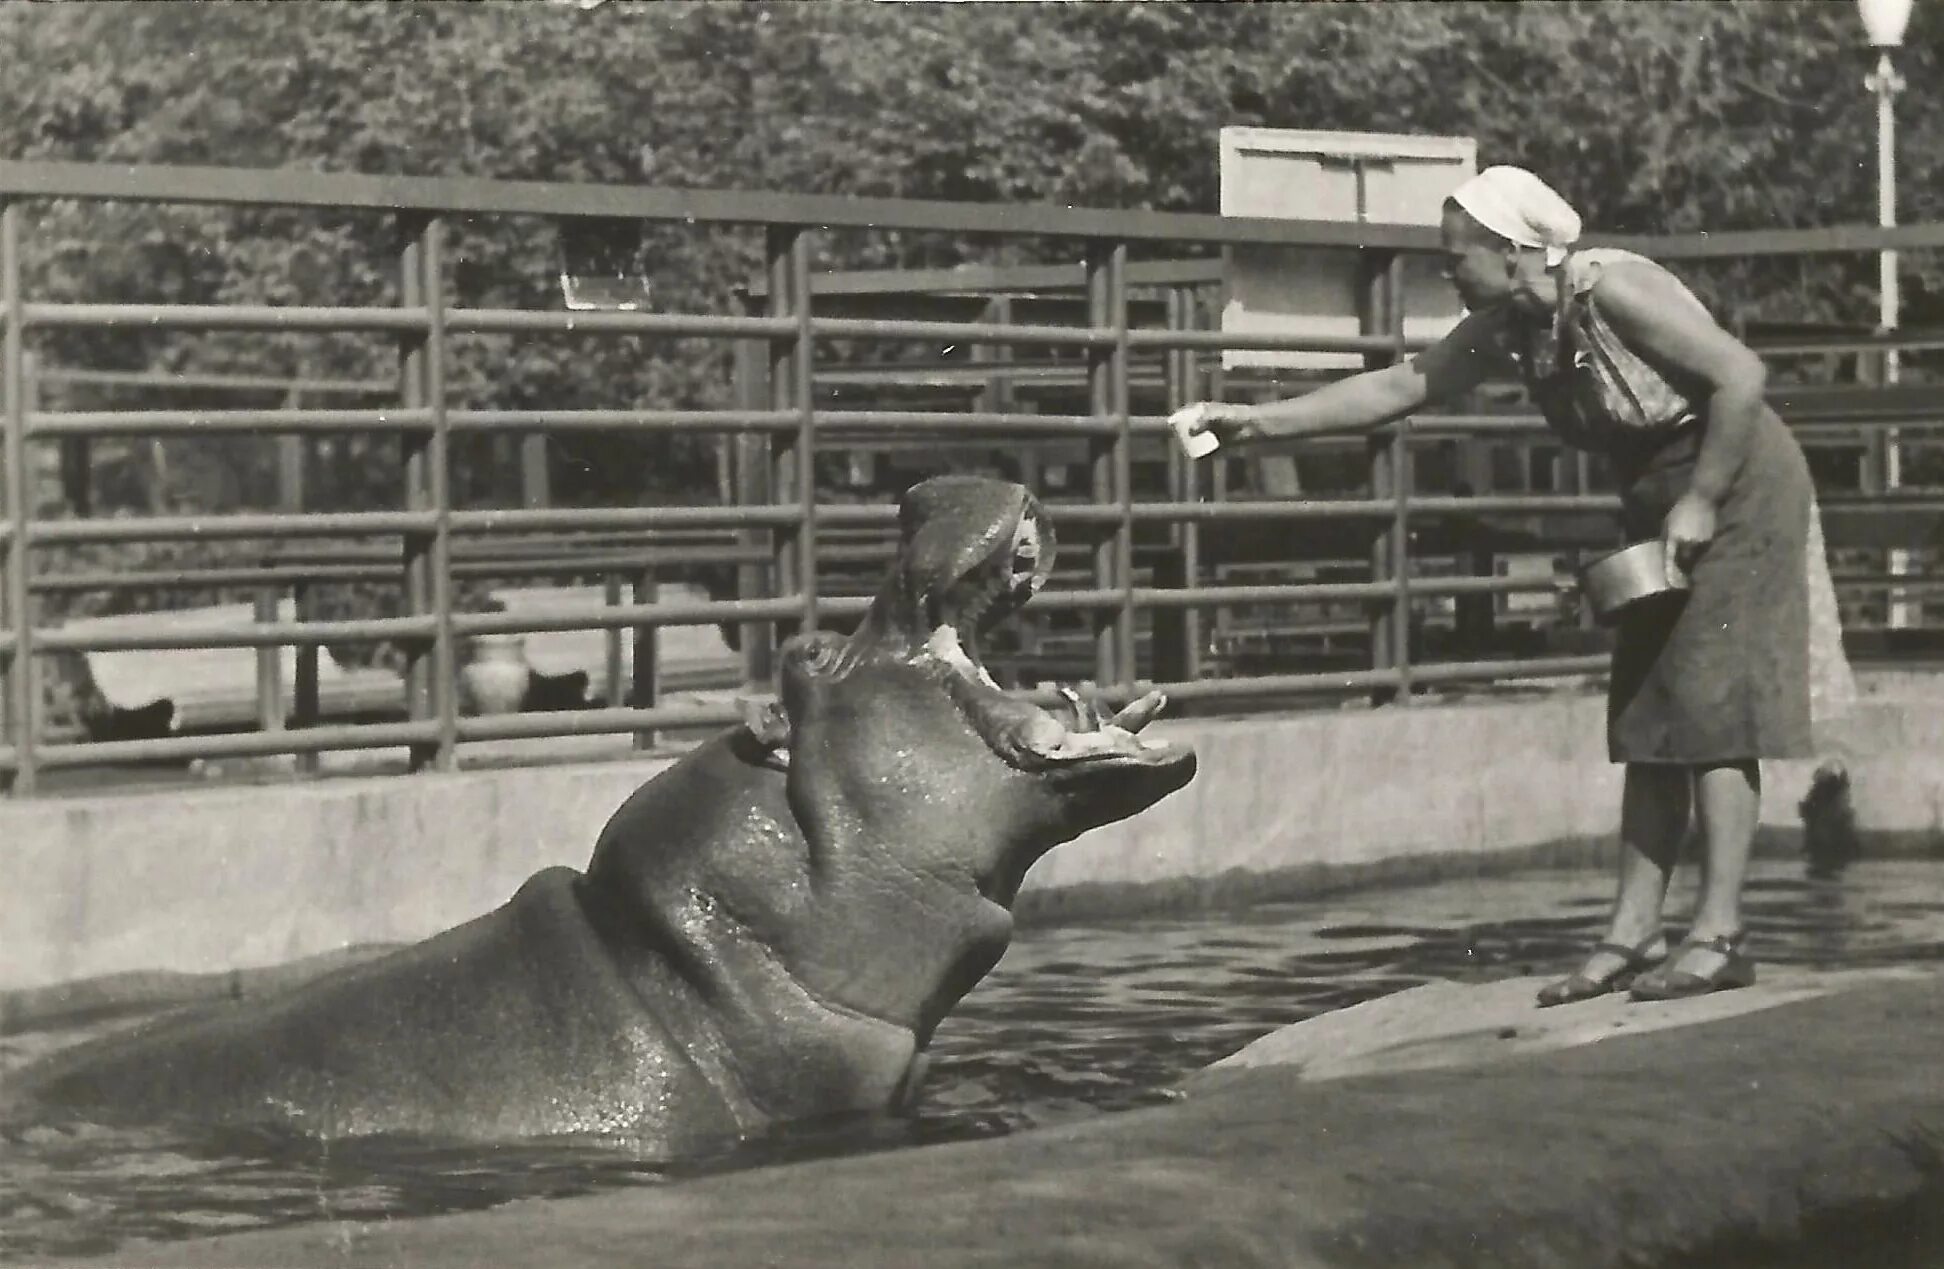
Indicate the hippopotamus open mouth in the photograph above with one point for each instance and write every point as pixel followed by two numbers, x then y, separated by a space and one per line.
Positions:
pixel 975 552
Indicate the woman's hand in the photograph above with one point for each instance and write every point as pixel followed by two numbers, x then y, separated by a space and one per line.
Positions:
pixel 1688 529
pixel 1231 423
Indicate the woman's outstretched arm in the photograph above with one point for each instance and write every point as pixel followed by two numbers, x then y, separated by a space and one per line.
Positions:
pixel 1461 360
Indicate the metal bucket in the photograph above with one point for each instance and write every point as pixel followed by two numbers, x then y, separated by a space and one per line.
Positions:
pixel 1626 577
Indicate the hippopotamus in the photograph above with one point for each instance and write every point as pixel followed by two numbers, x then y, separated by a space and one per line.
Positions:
pixel 768 930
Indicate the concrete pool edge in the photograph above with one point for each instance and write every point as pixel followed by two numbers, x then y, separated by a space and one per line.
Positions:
pixel 226 878
pixel 1775 1137
pixel 1236 889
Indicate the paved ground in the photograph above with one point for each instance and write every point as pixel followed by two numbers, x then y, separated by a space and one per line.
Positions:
pixel 1800 1131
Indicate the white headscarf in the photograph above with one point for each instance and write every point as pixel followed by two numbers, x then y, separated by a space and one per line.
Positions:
pixel 1521 208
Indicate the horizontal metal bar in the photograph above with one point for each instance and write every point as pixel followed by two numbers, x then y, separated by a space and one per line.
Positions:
pixel 1527 504
pixel 263 524
pixel 623 420
pixel 616 616
pixel 226 316
pixel 527 520
pixel 1245 509
pixel 1359 627
pixel 264 635
pixel 1535 668
pixel 210 578
pixel 961 332
pixel 390 574
pixel 510 520
pixel 652 543
pixel 511 321
pixel 1293 592
pixel 837 422
pixel 1862 404
pixel 198 422
pixel 1885 504
pixel 1906 340
pixel 1441 586
pixel 595 722
pixel 237 745
pixel 1439 426
pixel 1777 242
pixel 198 380
pixel 1278 685
pixel 1077 599
pixel 287 187
pixel 975 279
pixel 1912 584
pixel 1154 338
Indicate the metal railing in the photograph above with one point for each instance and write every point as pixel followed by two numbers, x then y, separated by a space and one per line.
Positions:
pixel 782 527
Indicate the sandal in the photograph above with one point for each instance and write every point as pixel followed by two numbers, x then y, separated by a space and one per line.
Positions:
pixel 1673 983
pixel 1580 985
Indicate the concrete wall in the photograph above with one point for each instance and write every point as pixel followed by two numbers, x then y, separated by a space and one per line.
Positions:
pixel 241 877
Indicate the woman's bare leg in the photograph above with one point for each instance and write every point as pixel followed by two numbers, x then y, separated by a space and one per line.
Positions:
pixel 1729 801
pixel 1654 810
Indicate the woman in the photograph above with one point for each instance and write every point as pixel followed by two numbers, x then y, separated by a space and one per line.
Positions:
pixel 1622 359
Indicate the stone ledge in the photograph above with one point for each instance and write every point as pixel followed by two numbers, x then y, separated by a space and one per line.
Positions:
pixel 225 879
pixel 1443 1025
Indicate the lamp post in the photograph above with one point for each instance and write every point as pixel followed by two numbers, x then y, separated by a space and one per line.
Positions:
pixel 1884 22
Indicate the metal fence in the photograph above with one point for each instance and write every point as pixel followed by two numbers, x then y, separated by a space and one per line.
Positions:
pixel 786 530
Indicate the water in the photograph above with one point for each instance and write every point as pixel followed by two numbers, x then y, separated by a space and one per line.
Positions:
pixel 1076 1021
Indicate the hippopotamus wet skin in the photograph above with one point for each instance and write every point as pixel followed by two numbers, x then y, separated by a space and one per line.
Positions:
pixel 768 930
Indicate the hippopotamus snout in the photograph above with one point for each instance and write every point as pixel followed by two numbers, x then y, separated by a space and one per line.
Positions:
pixel 1105 766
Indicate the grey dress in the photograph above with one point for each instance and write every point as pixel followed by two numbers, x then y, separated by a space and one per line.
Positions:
pixel 1720 673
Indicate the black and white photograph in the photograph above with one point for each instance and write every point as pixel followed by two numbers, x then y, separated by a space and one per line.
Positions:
pixel 863 634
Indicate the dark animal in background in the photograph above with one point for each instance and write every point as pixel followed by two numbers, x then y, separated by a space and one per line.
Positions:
pixel 145 722
pixel 556 691
pixel 1828 822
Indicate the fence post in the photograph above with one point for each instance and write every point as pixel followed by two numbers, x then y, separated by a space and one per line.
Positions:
pixel 77 452
pixel 612 640
pixel 1210 305
pixel 1381 313
pixel 1183 625
pixel 430 681
pixel 646 691
pixel 536 490
pixel 751 481
pixel 292 452
pixel 1404 474
pixel 271 712
pixel 21 707
pixel 304 703
pixel 1106 266
pixel 293 455
pixel 269 666
pixel 788 248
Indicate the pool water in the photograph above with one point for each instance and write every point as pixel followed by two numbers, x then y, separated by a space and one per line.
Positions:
pixel 1076 1020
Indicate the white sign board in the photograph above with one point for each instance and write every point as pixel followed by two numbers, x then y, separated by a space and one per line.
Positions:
pixel 1348 176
